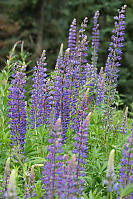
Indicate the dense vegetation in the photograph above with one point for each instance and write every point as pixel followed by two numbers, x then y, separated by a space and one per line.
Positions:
pixel 67 138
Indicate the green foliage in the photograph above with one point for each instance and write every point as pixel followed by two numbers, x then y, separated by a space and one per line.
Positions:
pixel 126 191
pixel 98 152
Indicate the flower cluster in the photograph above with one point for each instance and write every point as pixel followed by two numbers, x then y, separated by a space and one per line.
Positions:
pixel 38 97
pixel 115 52
pixel 53 170
pixel 95 39
pixel 6 176
pixel 126 171
pixel 100 88
pixel 70 177
pixel 63 181
pixel 112 66
pixel 17 110
pixel 123 128
pixel 30 191
pixel 80 149
pixel 72 36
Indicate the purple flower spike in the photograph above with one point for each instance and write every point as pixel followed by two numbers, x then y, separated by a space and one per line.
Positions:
pixel 6 176
pixel 115 51
pixel 95 40
pixel 17 110
pixel 95 32
pixel 38 97
pixel 112 67
pixel 100 87
pixel 123 128
pixel 30 191
pixel 70 178
pixel 52 180
pixel 82 52
pixel 126 171
pixel 72 36
pixel 57 78
pixel 80 149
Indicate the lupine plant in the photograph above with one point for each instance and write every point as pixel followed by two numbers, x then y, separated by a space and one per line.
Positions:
pixel 123 128
pixel 112 64
pixel 126 171
pixel 17 110
pixel 61 137
pixel 110 175
pixel 38 97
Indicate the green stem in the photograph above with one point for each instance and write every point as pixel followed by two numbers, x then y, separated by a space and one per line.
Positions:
pixel 111 195
pixel 108 195
pixel 22 165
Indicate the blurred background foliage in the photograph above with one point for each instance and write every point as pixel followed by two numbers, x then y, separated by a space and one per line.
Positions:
pixel 44 24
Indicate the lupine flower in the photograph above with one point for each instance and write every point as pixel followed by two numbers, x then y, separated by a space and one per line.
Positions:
pixel 112 66
pixel 115 52
pixel 100 88
pixel 123 128
pixel 80 149
pixel 116 126
pixel 85 99
pixel 70 178
pixel 91 83
pixel 82 50
pixel 30 187
pixel 17 110
pixel 6 176
pixel 82 109
pixel 53 170
pixel 48 103
pixel 72 36
pixel 59 60
pixel 38 97
pixel 72 72
pixel 11 190
pixel 126 171
pixel 110 175
pixel 57 85
pixel 78 74
pixel 61 92
pixel 95 40
pixel 65 95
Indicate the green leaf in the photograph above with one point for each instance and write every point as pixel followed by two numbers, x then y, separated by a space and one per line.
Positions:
pixel 91 195
pixel 127 190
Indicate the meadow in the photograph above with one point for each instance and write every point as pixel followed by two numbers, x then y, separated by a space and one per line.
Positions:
pixel 65 137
